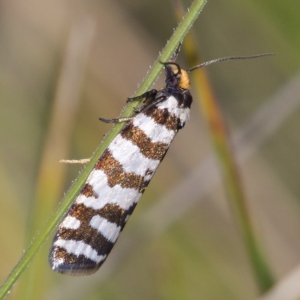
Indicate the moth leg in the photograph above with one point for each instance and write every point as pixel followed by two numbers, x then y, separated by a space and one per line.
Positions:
pixel 75 161
pixel 119 120
pixel 146 95
pixel 151 102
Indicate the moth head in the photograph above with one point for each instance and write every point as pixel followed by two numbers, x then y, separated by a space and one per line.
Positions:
pixel 175 76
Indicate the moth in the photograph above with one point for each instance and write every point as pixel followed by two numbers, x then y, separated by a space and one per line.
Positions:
pixel 92 225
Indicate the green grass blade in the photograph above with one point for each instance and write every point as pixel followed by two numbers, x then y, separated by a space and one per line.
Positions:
pixel 176 38
pixel 232 181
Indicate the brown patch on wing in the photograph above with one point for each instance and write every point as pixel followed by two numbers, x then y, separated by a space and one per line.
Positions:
pixel 162 117
pixel 88 191
pixel 147 147
pixel 115 173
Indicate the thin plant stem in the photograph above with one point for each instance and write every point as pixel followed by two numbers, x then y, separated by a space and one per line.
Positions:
pixel 53 221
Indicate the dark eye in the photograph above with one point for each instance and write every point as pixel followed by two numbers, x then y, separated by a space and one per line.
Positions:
pixel 172 81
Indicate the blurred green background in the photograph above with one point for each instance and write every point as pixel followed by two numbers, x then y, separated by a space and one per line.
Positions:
pixel 63 64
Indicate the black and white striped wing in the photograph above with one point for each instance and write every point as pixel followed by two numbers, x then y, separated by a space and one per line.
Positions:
pixel 91 227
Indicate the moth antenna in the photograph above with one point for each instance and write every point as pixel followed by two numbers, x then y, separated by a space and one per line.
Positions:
pixel 175 54
pixel 171 63
pixel 228 58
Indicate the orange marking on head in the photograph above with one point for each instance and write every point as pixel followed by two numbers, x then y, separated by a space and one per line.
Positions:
pixel 184 81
